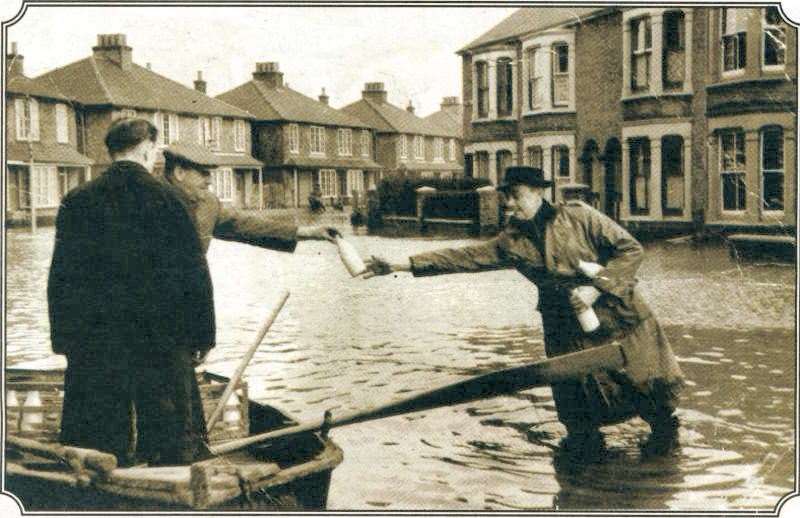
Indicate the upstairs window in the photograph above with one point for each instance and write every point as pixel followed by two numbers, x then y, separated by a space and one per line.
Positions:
pixel 533 156
pixel 27 119
pixel 216 133
pixel 365 143
pixel 535 58
pixel 238 135
pixel 734 39
pixel 772 169
pixel 204 132
pixel 774 38
pixel 560 54
pixel 505 87
pixel 317 140
pixel 560 161
pixel 345 142
pixel 419 147
pixel 438 149
pixel 639 175
pixel 674 62
pixel 62 129
pixel 402 145
pixel 294 138
pixel 641 49
pixel 452 149
pixel 732 170
pixel 482 82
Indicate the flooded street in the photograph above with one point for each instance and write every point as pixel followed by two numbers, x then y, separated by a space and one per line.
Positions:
pixel 345 344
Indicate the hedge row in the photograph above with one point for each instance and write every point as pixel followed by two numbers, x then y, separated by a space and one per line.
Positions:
pixel 398 195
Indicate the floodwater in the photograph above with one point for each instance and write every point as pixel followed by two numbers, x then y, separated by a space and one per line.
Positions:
pixel 347 344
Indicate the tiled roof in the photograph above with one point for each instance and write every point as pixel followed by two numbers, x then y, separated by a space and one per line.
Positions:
pixel 388 118
pixel 450 119
pixel 529 20
pixel 23 85
pixel 46 153
pixel 204 156
pixel 97 81
pixel 283 103
pixel 338 163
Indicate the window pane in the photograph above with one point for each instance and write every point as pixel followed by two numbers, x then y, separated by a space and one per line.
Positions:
pixel 774 46
pixel 772 154
pixel 672 175
pixel 733 191
pixel 773 191
pixel 639 172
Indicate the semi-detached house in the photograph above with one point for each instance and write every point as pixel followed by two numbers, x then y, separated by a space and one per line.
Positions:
pixel 42 157
pixel 305 144
pixel 674 116
pixel 108 85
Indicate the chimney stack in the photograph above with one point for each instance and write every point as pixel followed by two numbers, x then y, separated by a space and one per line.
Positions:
pixel 410 107
pixel 199 83
pixel 449 101
pixel 269 74
pixel 15 62
pixel 113 47
pixel 149 66
pixel 323 97
pixel 374 92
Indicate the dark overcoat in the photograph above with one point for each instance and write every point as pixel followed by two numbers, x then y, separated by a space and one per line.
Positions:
pixel 650 385
pixel 130 299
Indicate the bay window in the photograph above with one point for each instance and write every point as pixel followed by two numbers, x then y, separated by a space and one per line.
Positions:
pixel 674 45
pixel 328 182
pixel 503 160
pixel 560 161
pixel 27 119
pixel 533 156
pixel 732 170
pixel 535 60
pixel 481 164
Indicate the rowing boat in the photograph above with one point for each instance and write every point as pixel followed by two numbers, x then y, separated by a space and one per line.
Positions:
pixel 292 474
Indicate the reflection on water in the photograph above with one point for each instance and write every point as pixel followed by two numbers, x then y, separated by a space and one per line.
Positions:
pixel 347 344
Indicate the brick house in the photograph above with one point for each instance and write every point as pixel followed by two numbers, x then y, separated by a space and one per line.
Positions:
pixel 450 117
pixel 41 145
pixel 649 141
pixel 406 144
pixel 305 143
pixel 108 85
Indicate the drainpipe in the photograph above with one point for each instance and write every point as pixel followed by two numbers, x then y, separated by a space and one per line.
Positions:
pixel 296 189
pixel 260 188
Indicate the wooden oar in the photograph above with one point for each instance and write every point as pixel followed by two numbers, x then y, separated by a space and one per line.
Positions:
pixel 507 381
pixel 245 361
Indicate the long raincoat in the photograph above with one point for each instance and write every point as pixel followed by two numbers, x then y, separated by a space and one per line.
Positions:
pixel 574 231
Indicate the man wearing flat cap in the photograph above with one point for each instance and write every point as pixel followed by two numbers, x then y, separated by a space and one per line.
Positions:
pixel 189 168
pixel 572 250
pixel 130 303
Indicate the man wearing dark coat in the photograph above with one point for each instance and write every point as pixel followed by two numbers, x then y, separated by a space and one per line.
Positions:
pixel 572 250
pixel 131 303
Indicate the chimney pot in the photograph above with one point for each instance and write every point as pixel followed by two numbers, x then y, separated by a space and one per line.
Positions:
pixel 15 62
pixel 323 97
pixel 410 107
pixel 268 72
pixel 199 83
pixel 113 47
pixel 374 92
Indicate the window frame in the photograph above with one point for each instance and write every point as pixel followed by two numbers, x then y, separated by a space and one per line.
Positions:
pixel 554 75
pixel 438 149
pixel 739 40
pixel 222 183
pixel 644 168
pixel 216 133
pixel 504 68
pixel 763 172
pixel 562 151
pixel 50 193
pixel 344 141
pixel 354 178
pixel 239 138
pixel 365 143
pixel 482 94
pixel 62 123
pixel 681 162
pixel 328 178
pixel 317 140
pixel 294 138
pixel 402 143
pixel 765 26
pixel 529 156
pixel 452 149
pixel 419 147
pixel 641 46
pixel 737 172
